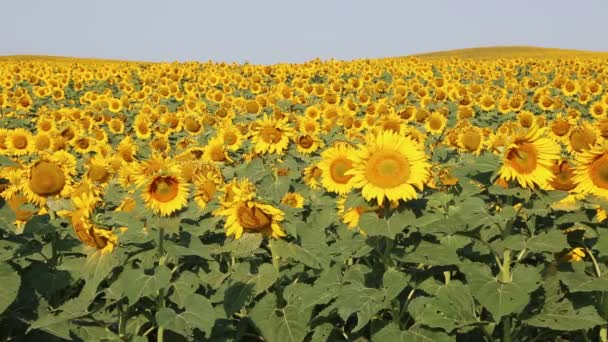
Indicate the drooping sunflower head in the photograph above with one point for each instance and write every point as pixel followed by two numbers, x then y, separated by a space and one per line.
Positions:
pixel 334 165
pixel 564 173
pixel 389 166
pixel 312 176
pixel 528 157
pixel 253 217
pixel 582 138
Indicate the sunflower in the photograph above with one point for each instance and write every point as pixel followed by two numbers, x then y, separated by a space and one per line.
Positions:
pixel 22 215
pixel 471 139
pixel 254 217
pixel 127 149
pixel 205 188
pixel 98 170
pixel 154 166
pixel 312 176
pixel 560 127
pixel 49 176
pixel 307 144
pixel 19 142
pixel 598 110
pixel 238 190
pixel 43 142
pixel 591 171
pixel 389 166
pixel 192 124
pixel 215 151
pixel 90 234
pixel 564 173
pixel 335 163
pixel 142 129
pixel 116 126
pixel 83 144
pixel 528 157
pixel 293 199
pixel 232 137
pixel 271 135
pixel 581 138
pixel 525 119
pixel 435 123
pixel 165 194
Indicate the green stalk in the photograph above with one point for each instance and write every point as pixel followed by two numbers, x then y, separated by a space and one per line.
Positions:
pixel 603 334
pixel 506 329
pixel 273 255
pixel 161 242
pixel 505 271
pixel 160 305
pixel 122 321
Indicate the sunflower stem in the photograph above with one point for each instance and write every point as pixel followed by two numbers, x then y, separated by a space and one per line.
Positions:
pixel 160 305
pixel 273 255
pixel 505 270
pixel 161 242
pixel 122 321
pixel 506 329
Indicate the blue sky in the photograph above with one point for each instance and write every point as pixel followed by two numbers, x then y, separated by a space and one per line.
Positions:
pixel 292 31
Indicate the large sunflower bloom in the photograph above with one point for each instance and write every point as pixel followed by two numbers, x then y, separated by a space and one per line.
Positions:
pixel 165 194
pixel 390 166
pixel 591 171
pixel 528 159
pixel 334 165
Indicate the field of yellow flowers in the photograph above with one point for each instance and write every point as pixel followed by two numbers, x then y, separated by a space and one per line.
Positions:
pixel 425 198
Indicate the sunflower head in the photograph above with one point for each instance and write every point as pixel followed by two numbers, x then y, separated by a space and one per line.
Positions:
pixel 390 166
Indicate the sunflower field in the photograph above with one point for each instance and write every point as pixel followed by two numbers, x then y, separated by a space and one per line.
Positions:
pixel 403 199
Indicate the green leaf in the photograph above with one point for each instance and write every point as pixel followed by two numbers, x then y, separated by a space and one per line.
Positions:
pixel 137 284
pixel 363 301
pixel 563 316
pixel 279 325
pixel 237 295
pixel 98 266
pixel 287 250
pixel 394 282
pixel 372 225
pixel 430 254
pixel 579 281
pixel 10 280
pixel 198 314
pixel 6 161
pixel 243 247
pixel 552 241
pixel 183 288
pixel 501 298
pixel 450 309
pixel 416 333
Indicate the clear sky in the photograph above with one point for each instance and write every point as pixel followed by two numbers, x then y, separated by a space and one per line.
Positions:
pixel 265 32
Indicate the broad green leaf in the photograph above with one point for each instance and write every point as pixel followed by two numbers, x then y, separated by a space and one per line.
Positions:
pixel 237 295
pixel 198 314
pixel 286 250
pixel 278 325
pixel 564 316
pixel 451 308
pixel 136 284
pixel 183 288
pixel 394 282
pixel 501 298
pixel 552 241
pixel 416 333
pixel 430 254
pixel 10 280
pixel 363 301
pixel 372 225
